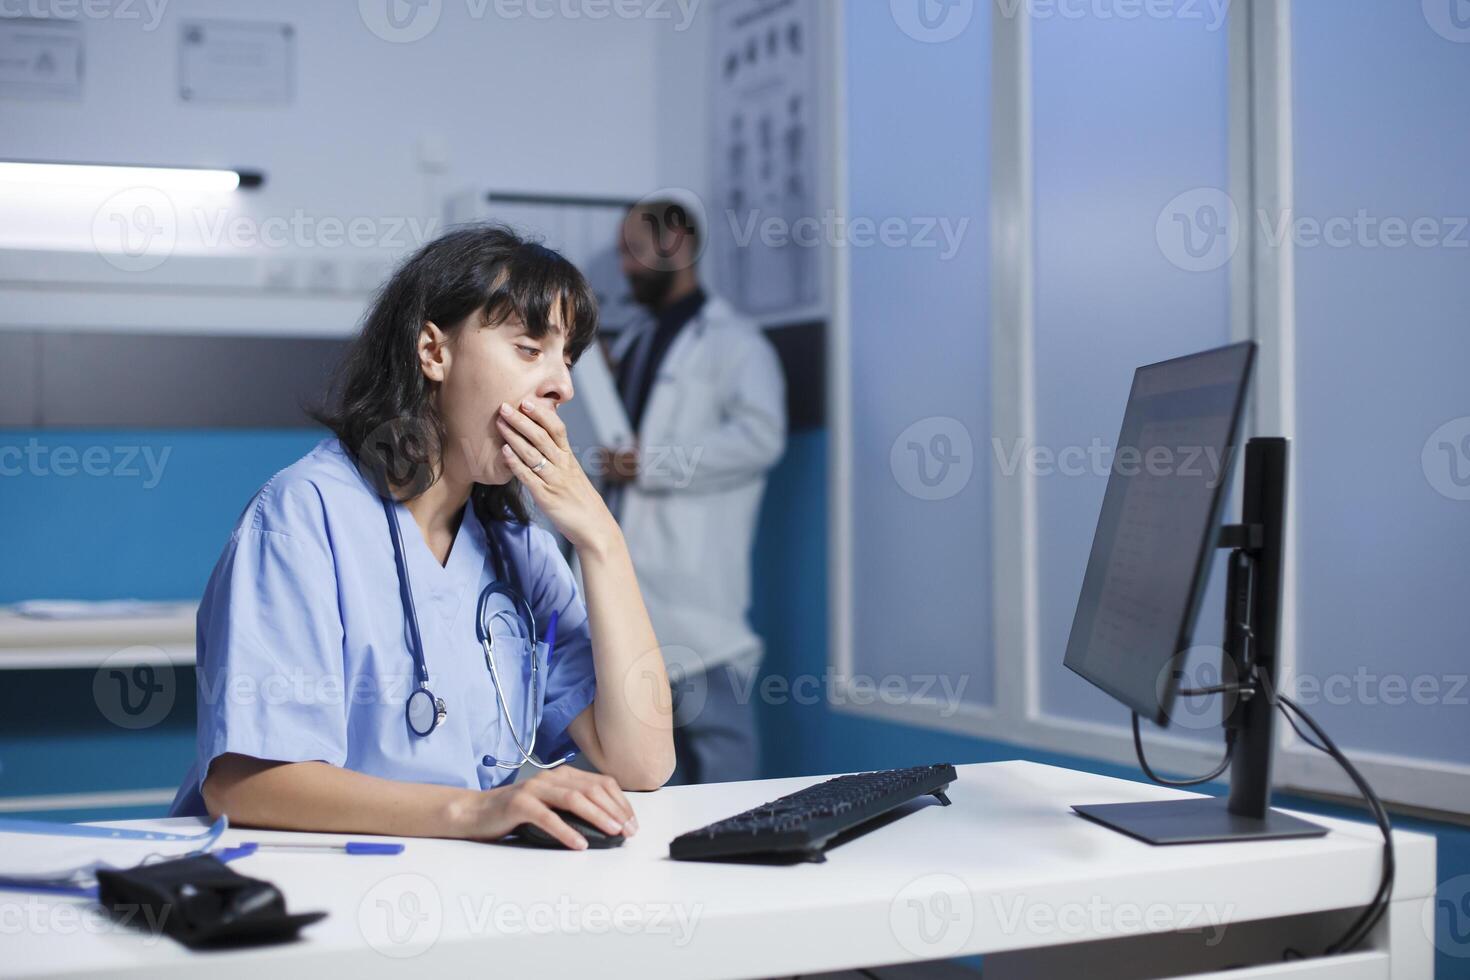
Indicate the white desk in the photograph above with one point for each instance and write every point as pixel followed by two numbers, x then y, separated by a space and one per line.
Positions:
pixel 1007 871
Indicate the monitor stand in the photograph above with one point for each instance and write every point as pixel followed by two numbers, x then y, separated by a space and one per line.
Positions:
pixel 1253 597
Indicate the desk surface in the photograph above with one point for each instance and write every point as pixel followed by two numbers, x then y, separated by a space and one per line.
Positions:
pixel 1007 867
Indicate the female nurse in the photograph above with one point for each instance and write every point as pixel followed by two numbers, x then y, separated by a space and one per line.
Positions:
pixel 357 577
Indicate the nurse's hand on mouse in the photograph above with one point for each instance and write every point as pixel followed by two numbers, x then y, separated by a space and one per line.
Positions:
pixel 595 798
pixel 537 451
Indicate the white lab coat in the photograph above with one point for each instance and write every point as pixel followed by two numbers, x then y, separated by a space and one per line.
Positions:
pixel 715 423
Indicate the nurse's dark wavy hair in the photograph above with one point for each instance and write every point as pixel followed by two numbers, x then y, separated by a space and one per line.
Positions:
pixel 381 406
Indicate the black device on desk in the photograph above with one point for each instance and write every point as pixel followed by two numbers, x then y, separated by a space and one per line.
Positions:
pixel 805 822
pixel 1160 527
pixel 533 836
pixel 1156 537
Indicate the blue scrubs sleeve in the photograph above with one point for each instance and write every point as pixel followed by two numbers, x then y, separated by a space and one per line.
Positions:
pixel 270 642
pixel 571 682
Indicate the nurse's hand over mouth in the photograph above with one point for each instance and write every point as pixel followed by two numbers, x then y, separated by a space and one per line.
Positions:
pixel 537 451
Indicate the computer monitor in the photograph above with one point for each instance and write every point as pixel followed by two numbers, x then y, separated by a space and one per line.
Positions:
pixel 1160 526
pixel 1155 540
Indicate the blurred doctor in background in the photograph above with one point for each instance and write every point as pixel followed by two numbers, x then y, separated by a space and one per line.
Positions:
pixel 706 399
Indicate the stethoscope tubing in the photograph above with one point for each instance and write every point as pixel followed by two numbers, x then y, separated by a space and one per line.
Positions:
pixel 405 594
pixel 500 586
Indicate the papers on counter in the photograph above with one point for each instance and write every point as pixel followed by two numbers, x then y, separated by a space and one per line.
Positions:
pixel 62 855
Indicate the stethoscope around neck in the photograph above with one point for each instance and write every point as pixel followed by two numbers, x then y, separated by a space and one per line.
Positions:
pixel 424 710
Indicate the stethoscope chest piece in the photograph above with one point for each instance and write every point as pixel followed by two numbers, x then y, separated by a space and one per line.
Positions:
pixel 425 712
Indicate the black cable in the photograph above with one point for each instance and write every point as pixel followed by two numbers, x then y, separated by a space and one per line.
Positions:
pixel 1375 909
pixel 1371 915
pixel 1199 692
pixel 1291 720
pixel 1148 771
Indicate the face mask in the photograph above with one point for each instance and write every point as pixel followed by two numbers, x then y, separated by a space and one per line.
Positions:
pixel 651 287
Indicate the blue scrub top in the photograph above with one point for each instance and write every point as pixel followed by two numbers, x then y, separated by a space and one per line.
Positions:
pixel 303 651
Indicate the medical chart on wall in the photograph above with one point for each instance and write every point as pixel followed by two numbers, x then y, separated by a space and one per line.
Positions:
pixel 763 160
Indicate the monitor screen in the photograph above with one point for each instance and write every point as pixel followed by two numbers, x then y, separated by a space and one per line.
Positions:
pixel 1157 533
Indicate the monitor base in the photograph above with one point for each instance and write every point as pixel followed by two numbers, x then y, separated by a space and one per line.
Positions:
pixel 1198 821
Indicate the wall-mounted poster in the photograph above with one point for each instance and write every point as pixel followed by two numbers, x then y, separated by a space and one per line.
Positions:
pixel 40 58
pixel 243 63
pixel 764 104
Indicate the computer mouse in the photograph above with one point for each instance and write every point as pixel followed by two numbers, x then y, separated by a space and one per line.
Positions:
pixel 596 837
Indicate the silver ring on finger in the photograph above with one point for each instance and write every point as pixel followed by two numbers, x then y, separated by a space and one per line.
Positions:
pixel 539 466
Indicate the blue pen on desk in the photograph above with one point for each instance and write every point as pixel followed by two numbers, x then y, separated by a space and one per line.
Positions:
pixel 350 847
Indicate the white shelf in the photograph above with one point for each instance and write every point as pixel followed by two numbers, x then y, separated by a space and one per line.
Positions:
pixel 28 643
pixel 280 294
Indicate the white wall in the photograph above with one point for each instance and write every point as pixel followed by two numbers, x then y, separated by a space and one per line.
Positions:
pixel 378 134
pixel 682 125
pixel 509 101
pixel 557 105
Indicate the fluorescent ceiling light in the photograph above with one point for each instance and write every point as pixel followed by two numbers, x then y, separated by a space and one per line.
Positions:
pixel 99 175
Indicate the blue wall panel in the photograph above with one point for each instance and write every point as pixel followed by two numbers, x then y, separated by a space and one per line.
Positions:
pixel 1131 126
pixel 1383 409
pixel 103 514
pixel 920 365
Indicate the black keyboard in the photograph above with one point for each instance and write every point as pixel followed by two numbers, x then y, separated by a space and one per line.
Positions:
pixel 805 821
